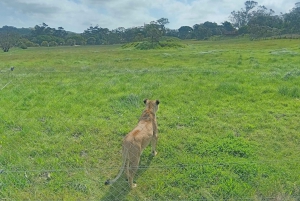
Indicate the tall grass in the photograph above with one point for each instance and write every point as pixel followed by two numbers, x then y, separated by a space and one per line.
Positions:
pixel 228 121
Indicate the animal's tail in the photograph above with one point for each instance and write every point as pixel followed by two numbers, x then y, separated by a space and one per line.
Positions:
pixel 109 181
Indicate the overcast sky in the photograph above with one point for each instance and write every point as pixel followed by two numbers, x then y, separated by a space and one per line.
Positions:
pixel 78 15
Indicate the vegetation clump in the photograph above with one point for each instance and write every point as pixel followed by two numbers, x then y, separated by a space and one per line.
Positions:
pixel 166 42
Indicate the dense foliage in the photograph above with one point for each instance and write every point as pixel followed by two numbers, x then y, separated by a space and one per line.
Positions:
pixel 255 20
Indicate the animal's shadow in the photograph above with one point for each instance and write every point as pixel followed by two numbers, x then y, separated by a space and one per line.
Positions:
pixel 120 189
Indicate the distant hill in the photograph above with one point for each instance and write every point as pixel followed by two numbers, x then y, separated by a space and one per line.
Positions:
pixel 21 31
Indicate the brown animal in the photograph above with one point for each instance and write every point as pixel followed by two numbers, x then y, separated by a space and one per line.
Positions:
pixel 135 142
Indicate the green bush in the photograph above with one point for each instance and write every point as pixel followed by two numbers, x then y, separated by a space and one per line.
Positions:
pixel 45 44
pixel 71 42
pixel 23 46
pixel 27 43
pixel 53 44
pixel 166 44
pixel 146 45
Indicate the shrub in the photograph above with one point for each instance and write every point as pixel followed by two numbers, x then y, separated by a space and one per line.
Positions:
pixel 91 41
pixel 45 44
pixel 147 45
pixel 172 44
pixel 27 43
pixel 53 44
pixel 71 42
pixel 23 46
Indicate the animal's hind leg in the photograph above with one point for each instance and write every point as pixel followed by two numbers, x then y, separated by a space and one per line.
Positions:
pixel 133 167
pixel 127 170
pixel 132 171
pixel 153 145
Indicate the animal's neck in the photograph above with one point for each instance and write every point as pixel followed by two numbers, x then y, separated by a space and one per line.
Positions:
pixel 150 111
pixel 148 115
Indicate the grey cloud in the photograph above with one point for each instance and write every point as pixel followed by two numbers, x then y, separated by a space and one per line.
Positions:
pixel 32 8
pixel 77 15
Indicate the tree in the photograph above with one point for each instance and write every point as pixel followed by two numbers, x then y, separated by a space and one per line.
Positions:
pixel 291 20
pixel 201 32
pixel 120 33
pixel 45 44
pixel 75 39
pixel 242 17
pixel 185 32
pixel 249 5
pixel 8 40
pixel 154 31
pixel 39 30
pixel 263 17
pixel 263 23
pixel 100 34
pixel 60 32
pixel 162 22
pixel 91 41
pixel 228 26
pixel 52 44
pixel 214 28
pixel 171 32
pixel 27 42
pixel 20 31
pixel 71 42
pixel 43 32
pixel 129 34
pixel 139 37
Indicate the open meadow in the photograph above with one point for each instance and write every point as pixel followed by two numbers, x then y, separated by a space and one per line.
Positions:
pixel 228 121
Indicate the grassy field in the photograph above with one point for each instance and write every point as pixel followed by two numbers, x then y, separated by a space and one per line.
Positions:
pixel 228 121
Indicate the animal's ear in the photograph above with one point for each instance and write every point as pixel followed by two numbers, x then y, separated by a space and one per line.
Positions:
pixel 157 102
pixel 145 101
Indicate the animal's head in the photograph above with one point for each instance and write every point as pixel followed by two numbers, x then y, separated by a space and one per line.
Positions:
pixel 151 104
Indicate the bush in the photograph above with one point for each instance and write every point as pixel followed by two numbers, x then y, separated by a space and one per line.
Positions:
pixel 147 45
pixel 71 42
pixel 45 44
pixel 53 44
pixel 91 41
pixel 171 44
pixel 27 43
pixel 23 46
pixel 129 45
pixel 170 39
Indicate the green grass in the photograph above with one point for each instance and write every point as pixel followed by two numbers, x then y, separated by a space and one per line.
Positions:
pixel 228 121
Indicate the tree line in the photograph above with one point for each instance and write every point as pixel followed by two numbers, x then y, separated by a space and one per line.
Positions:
pixel 255 20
